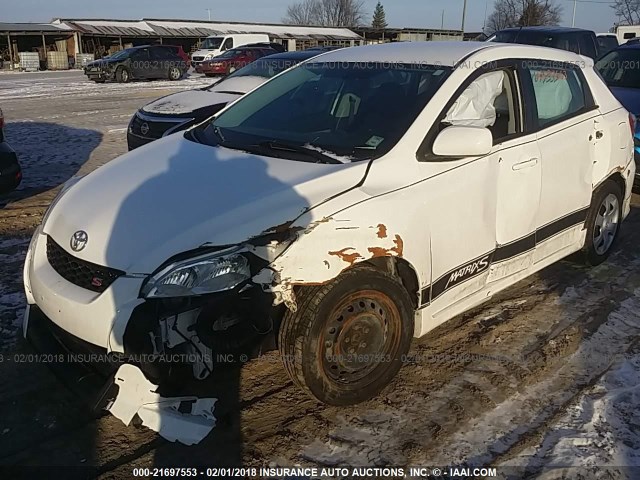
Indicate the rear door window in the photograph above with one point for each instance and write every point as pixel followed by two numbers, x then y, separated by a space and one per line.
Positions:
pixel 559 94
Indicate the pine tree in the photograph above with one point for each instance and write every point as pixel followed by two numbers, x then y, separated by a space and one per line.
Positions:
pixel 379 18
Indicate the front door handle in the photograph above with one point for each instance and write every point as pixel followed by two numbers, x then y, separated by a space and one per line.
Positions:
pixel 532 162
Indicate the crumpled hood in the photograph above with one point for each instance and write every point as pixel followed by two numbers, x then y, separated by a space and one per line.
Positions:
pixel 175 195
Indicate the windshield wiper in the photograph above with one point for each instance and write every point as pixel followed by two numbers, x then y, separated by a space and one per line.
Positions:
pixel 318 155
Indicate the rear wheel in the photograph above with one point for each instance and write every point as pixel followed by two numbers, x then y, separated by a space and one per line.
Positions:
pixel 603 223
pixel 122 75
pixel 174 73
pixel 346 341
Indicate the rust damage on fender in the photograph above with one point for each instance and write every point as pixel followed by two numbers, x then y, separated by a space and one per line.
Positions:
pixel 397 250
pixel 382 231
pixel 347 257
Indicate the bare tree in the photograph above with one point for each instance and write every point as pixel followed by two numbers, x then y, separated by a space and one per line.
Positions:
pixel 522 13
pixel 327 13
pixel 628 11
pixel 305 12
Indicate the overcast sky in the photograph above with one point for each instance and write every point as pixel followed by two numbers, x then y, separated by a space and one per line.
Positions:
pixel 593 15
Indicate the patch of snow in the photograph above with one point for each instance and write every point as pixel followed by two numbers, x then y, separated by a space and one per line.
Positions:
pixel 340 158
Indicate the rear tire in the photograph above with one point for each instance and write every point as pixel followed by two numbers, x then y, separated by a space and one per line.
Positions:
pixel 603 223
pixel 122 75
pixel 174 74
pixel 348 338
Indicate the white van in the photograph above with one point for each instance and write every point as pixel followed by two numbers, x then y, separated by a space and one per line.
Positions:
pixel 215 45
pixel 627 32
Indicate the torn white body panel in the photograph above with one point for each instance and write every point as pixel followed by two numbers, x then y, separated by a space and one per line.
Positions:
pixel 137 395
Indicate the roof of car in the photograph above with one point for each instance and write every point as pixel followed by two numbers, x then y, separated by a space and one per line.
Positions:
pixel 446 53
pixel 296 55
pixel 547 29
pixel 630 45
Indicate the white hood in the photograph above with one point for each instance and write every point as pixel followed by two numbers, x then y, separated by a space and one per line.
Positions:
pixel 187 102
pixel 223 92
pixel 175 195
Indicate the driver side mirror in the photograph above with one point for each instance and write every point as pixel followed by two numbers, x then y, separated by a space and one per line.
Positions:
pixel 459 141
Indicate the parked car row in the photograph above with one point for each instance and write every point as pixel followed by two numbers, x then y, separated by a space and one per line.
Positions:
pixel 297 211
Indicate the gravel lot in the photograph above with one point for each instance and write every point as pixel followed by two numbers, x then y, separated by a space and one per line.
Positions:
pixel 545 375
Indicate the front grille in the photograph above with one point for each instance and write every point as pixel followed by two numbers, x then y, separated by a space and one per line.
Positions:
pixel 83 274
pixel 198 59
pixel 156 129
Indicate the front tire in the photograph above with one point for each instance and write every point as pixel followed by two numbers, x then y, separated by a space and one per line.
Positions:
pixel 348 338
pixel 122 75
pixel 603 223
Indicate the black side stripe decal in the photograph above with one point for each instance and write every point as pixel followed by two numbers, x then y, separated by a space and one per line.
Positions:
pixel 561 225
pixel 481 264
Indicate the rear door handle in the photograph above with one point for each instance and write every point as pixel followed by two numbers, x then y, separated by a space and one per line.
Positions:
pixel 532 162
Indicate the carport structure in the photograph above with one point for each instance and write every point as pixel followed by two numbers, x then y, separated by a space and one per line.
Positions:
pixel 101 36
pixel 17 37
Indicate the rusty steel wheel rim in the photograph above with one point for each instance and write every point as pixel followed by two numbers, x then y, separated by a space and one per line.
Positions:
pixel 361 334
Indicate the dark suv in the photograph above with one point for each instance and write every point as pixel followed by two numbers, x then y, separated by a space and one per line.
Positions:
pixel 573 39
pixel 137 63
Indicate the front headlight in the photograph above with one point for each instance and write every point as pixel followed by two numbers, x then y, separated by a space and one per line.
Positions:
pixel 209 56
pixel 214 272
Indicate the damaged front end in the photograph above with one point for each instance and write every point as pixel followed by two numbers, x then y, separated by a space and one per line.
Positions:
pixel 206 309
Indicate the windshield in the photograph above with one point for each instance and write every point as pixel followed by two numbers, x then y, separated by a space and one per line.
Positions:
pixel 265 68
pixel 354 111
pixel 212 43
pixel 121 54
pixel 606 44
pixel 621 68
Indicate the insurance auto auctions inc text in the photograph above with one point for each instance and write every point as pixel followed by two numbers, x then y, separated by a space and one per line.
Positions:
pixel 313 473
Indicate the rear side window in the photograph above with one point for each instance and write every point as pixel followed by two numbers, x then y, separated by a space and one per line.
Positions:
pixel 587 45
pixel 559 94
pixel 159 53
pixel 629 35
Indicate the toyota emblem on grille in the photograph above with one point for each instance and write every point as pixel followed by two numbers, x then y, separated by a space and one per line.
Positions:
pixel 144 128
pixel 79 240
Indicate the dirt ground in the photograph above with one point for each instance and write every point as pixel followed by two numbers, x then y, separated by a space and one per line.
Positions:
pixel 488 388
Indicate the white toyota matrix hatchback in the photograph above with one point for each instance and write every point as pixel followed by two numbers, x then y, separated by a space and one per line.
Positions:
pixel 349 204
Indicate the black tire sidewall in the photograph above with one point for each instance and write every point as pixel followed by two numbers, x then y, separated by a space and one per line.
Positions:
pixel 319 384
pixel 589 251
pixel 119 75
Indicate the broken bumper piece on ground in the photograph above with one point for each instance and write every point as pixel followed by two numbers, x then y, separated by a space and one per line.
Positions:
pixel 184 419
